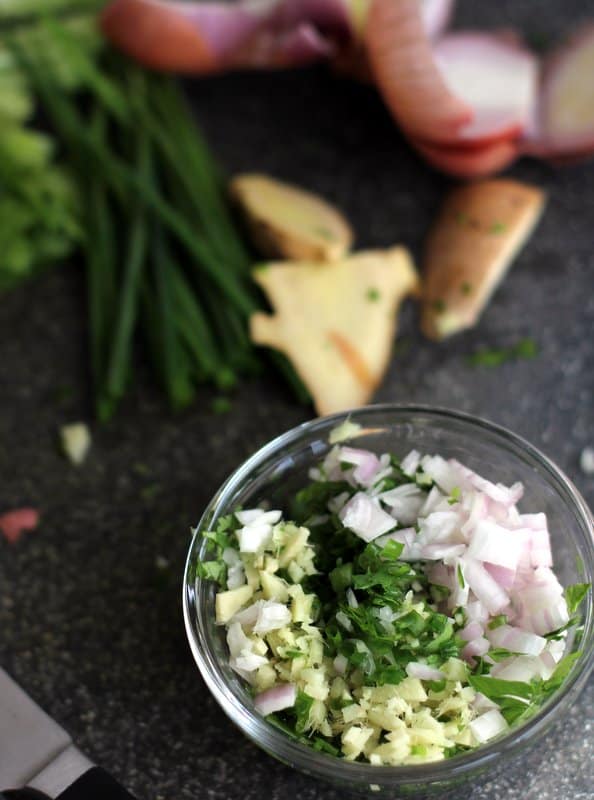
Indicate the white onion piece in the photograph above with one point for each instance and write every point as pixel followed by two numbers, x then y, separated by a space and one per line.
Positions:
pixel 351 599
pixel 264 616
pixel 254 537
pixel 488 725
pixel 410 463
pixel 340 664
pixel 517 640
pixel 436 501
pixel 366 464
pixel 276 699
pixel 445 473
pixel 414 669
pixel 485 588
pixel 495 544
pixel 440 526
pixel 271 617
pixel 250 515
pixel 365 518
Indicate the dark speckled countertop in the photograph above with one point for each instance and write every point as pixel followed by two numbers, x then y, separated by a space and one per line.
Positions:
pixel 90 618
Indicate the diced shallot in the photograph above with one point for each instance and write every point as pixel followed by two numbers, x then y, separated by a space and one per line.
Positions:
pixel 365 517
pixel 495 544
pixel 472 631
pixel 516 640
pixel 485 588
pixel 366 464
pixel 404 502
pixel 477 647
pixel 276 699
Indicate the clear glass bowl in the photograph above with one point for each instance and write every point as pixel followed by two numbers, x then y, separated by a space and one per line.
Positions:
pixel 280 468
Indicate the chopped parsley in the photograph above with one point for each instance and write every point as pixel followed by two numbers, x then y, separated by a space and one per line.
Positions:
pixel 373 294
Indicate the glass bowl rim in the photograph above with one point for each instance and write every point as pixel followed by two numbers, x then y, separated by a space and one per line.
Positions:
pixel 299 755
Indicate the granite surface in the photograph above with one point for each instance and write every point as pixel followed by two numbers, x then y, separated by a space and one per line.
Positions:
pixel 90 618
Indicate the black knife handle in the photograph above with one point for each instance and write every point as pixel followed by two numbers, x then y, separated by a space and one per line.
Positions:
pixel 95 784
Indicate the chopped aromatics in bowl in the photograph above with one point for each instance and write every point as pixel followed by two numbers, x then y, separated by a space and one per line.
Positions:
pixel 400 612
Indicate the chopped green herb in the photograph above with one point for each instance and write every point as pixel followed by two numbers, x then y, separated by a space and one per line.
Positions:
pixel 466 288
pixel 497 622
pixel 524 349
pixel 460 577
pixel 373 295
pixel 439 306
pixel 461 218
pixel 454 495
pixel 575 594
pixel 498 227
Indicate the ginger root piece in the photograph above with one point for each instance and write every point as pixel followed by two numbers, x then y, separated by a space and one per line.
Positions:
pixel 336 322
pixel 288 222
pixel 477 235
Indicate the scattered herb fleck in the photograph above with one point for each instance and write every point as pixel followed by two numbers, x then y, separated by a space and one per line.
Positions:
pixel 486 357
pixel 466 288
pixel 461 218
pixel 454 495
pixel 439 306
pixel 498 227
pixel 373 294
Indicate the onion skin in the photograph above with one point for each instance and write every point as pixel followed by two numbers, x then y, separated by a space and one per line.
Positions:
pixel 469 163
pixel 158 37
pixel 406 74
pixel 14 523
